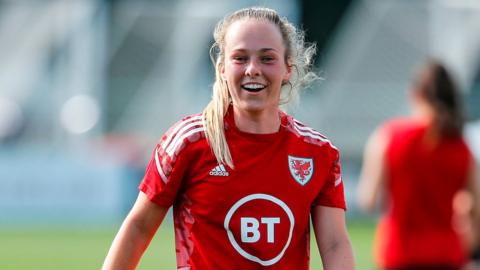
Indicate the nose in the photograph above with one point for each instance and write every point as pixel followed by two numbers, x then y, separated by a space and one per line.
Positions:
pixel 252 69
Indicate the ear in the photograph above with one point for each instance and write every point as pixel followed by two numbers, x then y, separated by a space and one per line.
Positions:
pixel 288 74
pixel 222 72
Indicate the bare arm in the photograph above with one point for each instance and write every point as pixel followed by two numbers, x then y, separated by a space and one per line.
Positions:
pixel 474 188
pixel 135 234
pixel 332 238
pixel 372 176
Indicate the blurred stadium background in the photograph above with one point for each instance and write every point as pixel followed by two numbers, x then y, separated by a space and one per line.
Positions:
pixel 87 87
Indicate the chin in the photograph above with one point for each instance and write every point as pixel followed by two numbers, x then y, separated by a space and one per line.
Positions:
pixel 254 108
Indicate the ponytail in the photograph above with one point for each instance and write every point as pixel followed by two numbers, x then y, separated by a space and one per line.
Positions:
pixel 440 91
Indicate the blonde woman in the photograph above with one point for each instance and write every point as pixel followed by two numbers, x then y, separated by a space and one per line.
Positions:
pixel 243 177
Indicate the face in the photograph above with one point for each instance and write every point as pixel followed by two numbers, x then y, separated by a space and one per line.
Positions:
pixel 254 66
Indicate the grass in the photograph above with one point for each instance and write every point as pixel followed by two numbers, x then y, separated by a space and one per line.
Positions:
pixel 86 248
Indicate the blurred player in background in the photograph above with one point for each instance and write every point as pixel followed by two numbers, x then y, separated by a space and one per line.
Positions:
pixel 243 177
pixel 417 165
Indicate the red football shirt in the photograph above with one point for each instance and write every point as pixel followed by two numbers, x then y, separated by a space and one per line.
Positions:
pixel 422 180
pixel 254 216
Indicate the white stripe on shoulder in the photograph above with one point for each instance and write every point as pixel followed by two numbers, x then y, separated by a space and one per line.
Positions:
pixel 179 140
pixel 159 167
pixel 311 133
pixel 338 181
pixel 180 128
pixel 307 133
pixel 303 127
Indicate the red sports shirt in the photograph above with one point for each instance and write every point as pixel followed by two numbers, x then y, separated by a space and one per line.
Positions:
pixel 255 216
pixel 422 180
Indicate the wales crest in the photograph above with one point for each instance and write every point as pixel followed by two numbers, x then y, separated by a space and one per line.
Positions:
pixel 301 169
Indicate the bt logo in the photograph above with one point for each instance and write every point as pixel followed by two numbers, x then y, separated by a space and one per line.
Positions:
pixel 249 229
pixel 259 227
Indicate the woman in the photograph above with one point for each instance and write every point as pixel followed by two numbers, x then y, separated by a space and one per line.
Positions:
pixel 418 164
pixel 244 177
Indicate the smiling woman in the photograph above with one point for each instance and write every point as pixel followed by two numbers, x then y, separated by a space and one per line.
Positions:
pixel 244 178
pixel 254 69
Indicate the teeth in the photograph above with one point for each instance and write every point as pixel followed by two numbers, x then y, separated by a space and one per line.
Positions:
pixel 253 86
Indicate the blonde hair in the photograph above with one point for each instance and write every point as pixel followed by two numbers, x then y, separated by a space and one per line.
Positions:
pixel 298 55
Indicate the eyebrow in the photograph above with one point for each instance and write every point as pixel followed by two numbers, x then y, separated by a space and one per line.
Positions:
pixel 267 49
pixel 261 50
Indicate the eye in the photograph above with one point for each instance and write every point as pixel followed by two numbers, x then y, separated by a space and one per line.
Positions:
pixel 267 59
pixel 239 59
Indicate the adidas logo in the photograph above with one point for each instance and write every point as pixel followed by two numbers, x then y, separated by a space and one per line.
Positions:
pixel 219 171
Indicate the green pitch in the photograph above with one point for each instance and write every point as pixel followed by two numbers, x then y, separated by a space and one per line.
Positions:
pixel 85 249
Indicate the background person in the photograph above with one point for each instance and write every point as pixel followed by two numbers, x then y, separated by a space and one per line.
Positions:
pixel 417 165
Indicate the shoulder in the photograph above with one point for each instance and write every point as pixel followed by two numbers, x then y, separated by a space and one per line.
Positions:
pixel 309 135
pixel 395 123
pixel 188 130
pixel 462 145
pixel 400 124
pixel 394 127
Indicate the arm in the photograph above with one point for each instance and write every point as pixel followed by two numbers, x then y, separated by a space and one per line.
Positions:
pixel 135 234
pixel 372 176
pixel 473 187
pixel 332 238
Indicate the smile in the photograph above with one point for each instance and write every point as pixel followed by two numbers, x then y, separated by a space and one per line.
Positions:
pixel 253 87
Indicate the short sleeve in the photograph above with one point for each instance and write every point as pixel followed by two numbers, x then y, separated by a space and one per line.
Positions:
pixel 332 192
pixel 163 177
pixel 169 163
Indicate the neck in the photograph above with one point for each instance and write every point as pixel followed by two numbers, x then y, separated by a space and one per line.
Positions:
pixel 262 122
